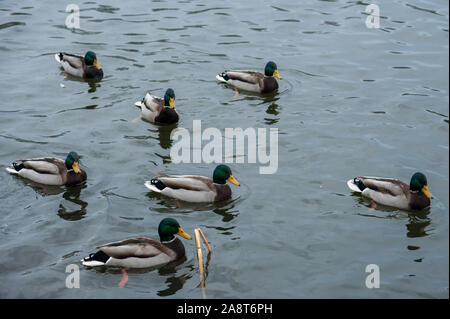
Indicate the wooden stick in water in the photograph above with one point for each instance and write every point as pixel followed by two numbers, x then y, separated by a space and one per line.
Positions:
pixel 204 240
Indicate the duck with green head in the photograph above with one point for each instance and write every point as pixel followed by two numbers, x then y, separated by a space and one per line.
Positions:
pixel 157 110
pixel 194 188
pixel 252 81
pixel 50 170
pixel 86 67
pixel 142 252
pixel 393 192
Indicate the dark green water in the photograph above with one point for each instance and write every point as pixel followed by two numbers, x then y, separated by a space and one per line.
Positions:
pixel 353 101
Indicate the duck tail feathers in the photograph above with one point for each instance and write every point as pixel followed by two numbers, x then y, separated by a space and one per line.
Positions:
pixel 222 77
pixel 15 168
pixel 155 185
pixel 97 259
pixel 356 185
pixel 59 57
pixel 12 170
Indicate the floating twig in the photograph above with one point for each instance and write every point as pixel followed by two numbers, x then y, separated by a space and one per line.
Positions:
pixel 198 233
pixel 204 240
pixel 199 257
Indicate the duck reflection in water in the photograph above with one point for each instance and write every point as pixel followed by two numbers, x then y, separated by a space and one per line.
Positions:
pixel 255 99
pixel 226 209
pixel 164 132
pixel 163 137
pixel 93 86
pixel 174 283
pixel 417 223
pixel 72 195
pixel 269 99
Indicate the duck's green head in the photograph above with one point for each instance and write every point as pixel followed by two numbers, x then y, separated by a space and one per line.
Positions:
pixel 169 98
pixel 72 162
pixel 271 69
pixel 419 183
pixel 222 174
pixel 91 59
pixel 169 227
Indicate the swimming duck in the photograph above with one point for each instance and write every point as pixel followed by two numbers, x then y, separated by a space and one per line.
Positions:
pixel 142 252
pixel 393 192
pixel 193 188
pixel 85 67
pixel 157 110
pixel 50 170
pixel 252 81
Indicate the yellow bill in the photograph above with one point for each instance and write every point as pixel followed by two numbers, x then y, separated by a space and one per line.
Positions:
pixel 183 234
pixel 172 102
pixel 96 64
pixel 427 192
pixel 76 168
pixel 275 73
pixel 232 180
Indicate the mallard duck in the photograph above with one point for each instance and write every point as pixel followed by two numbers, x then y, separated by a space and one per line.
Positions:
pixel 157 110
pixel 252 81
pixel 50 170
pixel 195 189
pixel 85 67
pixel 393 192
pixel 142 252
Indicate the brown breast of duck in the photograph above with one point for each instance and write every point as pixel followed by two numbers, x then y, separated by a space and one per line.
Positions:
pixel 177 246
pixel 223 192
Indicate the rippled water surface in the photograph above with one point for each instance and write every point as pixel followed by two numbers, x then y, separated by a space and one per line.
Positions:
pixel 352 101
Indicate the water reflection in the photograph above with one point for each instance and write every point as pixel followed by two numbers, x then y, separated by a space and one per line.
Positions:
pixel 255 99
pixel 174 283
pixel 417 223
pixel 73 195
pixel 93 86
pixel 260 99
pixel 226 208
pixel 223 230
pixel 163 138
pixel 272 109
pixel 364 201
pixel 41 189
pixel 93 83
pixel 164 132
pixel 269 98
